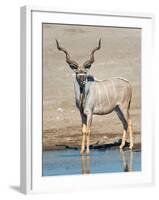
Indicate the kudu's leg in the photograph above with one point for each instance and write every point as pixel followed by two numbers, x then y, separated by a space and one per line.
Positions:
pixel 88 132
pixel 122 116
pixel 123 139
pixel 84 129
pixel 130 126
pixel 130 133
pixel 83 139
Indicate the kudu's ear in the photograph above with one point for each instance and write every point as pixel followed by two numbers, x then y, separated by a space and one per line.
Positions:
pixel 73 65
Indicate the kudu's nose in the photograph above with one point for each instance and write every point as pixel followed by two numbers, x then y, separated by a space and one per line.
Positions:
pixel 82 78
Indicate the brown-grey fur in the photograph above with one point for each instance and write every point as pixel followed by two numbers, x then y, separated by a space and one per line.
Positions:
pixel 99 97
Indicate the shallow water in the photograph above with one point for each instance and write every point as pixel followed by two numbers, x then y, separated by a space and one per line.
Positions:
pixel 70 162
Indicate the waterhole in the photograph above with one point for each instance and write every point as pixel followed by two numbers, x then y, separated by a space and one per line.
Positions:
pixel 70 162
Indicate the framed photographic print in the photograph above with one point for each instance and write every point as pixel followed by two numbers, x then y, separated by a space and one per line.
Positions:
pixel 86 100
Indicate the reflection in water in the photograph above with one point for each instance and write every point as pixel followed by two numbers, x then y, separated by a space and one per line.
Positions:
pixel 85 161
pixel 70 162
pixel 127 158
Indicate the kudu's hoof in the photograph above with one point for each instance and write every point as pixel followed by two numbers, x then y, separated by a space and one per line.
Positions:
pixel 131 147
pixel 121 147
pixel 82 152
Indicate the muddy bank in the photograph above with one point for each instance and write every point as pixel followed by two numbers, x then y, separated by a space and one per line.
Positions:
pixel 70 137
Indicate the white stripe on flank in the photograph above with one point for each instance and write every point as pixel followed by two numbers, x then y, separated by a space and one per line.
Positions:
pixel 106 91
pixel 99 94
pixel 114 88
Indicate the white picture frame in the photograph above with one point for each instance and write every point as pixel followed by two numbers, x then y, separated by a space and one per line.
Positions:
pixel 31 127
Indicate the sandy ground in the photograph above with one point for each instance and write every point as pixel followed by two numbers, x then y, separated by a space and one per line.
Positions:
pixel 119 56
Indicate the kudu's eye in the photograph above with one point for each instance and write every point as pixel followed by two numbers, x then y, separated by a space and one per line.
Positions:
pixel 87 66
pixel 73 66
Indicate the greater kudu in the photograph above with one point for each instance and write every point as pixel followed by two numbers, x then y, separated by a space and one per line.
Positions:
pixel 99 97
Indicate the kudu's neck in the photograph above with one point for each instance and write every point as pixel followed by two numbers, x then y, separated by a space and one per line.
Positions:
pixel 80 91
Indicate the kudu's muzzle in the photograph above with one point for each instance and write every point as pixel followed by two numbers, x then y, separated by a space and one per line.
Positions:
pixel 81 78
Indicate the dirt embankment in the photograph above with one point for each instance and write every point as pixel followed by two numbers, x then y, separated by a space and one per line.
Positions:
pixel 70 137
